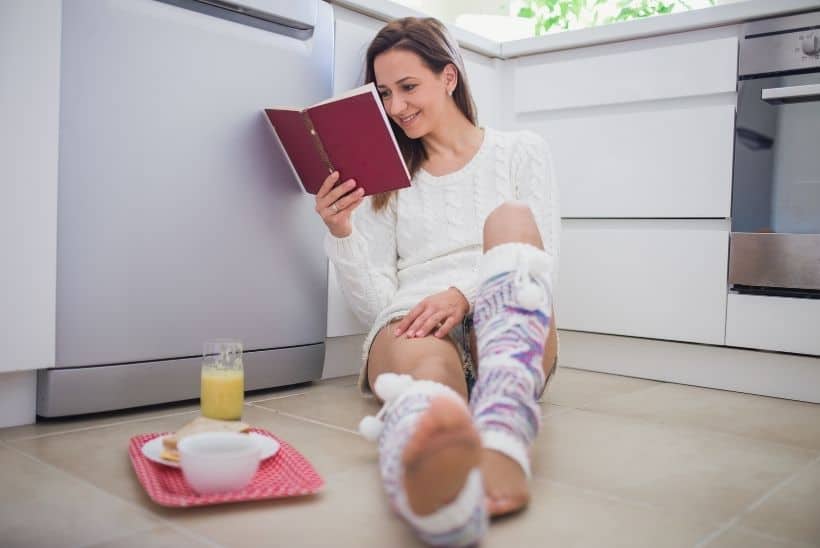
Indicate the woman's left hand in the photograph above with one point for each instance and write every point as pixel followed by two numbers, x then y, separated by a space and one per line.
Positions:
pixel 439 312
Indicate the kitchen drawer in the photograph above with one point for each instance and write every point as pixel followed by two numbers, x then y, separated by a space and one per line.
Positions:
pixel 671 162
pixel 782 324
pixel 660 279
pixel 665 67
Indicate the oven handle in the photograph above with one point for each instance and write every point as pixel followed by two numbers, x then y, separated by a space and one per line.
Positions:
pixel 791 94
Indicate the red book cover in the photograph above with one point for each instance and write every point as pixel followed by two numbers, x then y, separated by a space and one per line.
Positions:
pixel 349 133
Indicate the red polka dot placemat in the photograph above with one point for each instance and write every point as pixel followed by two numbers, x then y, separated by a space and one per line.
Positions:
pixel 285 474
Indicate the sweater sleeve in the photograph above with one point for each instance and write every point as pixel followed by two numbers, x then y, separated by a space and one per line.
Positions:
pixel 366 260
pixel 468 287
pixel 534 181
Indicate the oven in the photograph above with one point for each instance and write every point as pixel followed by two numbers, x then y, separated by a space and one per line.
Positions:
pixel 775 240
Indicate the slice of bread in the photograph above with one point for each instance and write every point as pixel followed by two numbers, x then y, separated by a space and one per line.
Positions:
pixel 197 426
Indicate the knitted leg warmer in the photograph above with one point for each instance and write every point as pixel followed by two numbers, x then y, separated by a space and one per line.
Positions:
pixel 512 321
pixel 462 522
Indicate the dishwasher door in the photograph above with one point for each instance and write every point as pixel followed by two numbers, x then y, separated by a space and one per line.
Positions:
pixel 179 218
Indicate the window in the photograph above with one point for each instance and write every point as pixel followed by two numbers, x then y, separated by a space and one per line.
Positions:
pixel 503 20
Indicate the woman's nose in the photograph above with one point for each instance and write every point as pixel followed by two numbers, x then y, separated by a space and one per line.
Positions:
pixel 396 106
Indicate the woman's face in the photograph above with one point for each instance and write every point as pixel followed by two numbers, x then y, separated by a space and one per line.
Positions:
pixel 413 95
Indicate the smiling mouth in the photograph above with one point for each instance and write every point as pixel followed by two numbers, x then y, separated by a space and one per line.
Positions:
pixel 404 120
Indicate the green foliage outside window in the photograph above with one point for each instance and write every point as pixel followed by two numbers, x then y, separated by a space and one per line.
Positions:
pixel 551 15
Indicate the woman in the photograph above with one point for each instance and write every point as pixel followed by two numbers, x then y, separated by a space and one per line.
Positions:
pixel 455 276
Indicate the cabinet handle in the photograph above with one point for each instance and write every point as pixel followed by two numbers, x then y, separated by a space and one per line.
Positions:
pixel 791 94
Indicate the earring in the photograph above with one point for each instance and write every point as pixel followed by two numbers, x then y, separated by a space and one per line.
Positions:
pixel 450 93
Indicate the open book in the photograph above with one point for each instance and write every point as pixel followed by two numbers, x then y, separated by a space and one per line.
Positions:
pixel 349 133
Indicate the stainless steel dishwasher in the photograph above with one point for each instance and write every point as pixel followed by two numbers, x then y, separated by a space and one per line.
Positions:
pixel 179 219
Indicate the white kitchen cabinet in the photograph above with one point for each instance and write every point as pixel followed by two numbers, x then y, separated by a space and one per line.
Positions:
pixel 679 65
pixel 781 324
pixel 642 134
pixel 671 162
pixel 661 279
pixel 29 109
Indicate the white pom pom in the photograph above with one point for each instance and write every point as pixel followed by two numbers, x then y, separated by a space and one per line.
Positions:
pixel 540 262
pixel 371 428
pixel 390 386
pixel 530 295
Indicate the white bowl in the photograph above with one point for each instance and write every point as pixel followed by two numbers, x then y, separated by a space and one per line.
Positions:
pixel 218 462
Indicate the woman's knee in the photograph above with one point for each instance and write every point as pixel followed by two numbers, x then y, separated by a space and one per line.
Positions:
pixel 512 221
pixel 441 370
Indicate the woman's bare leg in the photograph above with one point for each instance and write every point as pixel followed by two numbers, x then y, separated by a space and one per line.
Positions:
pixel 445 445
pixel 505 483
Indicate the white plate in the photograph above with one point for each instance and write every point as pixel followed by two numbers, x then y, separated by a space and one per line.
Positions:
pixel 153 449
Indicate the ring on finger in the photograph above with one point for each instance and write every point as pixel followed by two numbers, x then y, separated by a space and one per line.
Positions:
pixel 334 207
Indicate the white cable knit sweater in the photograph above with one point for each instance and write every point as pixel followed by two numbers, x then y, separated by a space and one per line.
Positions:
pixel 429 237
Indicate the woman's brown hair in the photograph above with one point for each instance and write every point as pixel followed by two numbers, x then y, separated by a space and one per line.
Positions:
pixel 428 38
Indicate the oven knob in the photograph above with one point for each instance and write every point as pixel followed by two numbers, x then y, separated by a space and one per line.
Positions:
pixel 810 45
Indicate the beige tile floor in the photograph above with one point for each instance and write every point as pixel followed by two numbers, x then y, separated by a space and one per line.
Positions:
pixel 620 462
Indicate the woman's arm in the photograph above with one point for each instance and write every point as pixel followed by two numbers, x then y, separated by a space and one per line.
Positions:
pixel 366 259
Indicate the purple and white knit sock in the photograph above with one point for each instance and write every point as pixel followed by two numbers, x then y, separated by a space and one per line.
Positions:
pixel 512 321
pixel 462 522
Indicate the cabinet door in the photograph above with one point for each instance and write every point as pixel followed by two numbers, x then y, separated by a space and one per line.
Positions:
pixel 773 323
pixel 644 278
pixel 655 163
pixel 29 109
pixel 639 129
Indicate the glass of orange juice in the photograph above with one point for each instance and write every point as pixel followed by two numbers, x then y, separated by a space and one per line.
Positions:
pixel 222 391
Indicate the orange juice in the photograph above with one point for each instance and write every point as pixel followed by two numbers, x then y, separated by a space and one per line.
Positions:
pixel 222 393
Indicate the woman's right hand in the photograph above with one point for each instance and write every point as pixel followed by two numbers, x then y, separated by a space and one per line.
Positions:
pixel 335 204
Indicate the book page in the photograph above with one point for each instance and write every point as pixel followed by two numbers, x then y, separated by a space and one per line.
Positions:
pixel 349 93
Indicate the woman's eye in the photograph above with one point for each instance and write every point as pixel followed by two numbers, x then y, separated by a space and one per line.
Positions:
pixel 384 94
pixel 409 87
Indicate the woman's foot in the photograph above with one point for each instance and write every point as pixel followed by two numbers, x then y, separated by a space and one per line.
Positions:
pixel 439 455
pixel 506 488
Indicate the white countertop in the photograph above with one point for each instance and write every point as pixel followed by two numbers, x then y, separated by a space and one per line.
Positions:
pixel 727 14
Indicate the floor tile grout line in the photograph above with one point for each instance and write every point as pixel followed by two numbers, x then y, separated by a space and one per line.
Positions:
pixel 96 427
pixel 755 504
pixel 141 419
pixel 251 402
pixel 722 528
pixel 693 428
pixel 306 419
pixel 774 538
pixel 140 510
pixel 320 423
pixel 118 536
pixel 600 494
pixel 586 407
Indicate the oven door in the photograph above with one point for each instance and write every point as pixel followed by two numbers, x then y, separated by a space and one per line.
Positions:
pixel 775 241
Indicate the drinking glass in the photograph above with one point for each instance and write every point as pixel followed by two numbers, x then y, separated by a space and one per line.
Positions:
pixel 222 389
